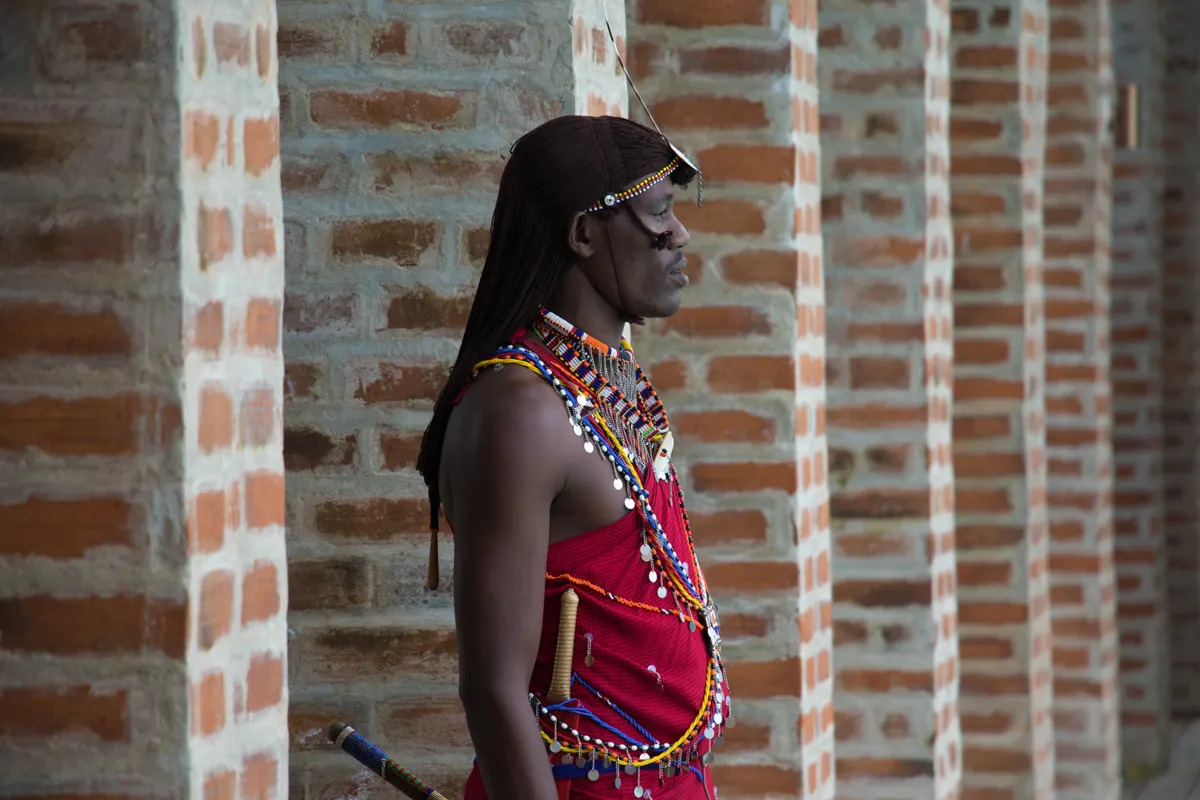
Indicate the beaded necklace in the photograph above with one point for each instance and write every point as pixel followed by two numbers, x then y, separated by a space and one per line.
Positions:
pixel 587 394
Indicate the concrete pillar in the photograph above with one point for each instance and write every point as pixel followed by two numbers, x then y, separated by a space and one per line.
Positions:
pixel 1078 400
pixel 142 579
pixel 885 107
pixel 998 124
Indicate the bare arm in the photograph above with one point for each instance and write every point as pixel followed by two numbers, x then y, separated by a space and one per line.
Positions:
pixel 508 468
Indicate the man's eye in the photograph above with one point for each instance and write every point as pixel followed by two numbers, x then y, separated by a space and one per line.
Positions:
pixel 662 214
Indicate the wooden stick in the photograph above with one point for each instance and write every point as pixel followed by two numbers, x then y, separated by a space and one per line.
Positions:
pixel 560 681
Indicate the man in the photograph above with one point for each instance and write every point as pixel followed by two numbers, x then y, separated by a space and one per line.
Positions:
pixel 550 454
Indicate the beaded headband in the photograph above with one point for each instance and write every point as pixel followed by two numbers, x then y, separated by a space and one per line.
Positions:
pixel 611 200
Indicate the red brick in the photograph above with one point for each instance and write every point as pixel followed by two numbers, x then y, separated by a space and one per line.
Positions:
pixel 762 267
pixel 882 593
pixel 396 108
pixel 717 113
pixel 301 380
pixel 214 235
pixel 264 682
pixel 399 383
pixel 262 323
pixel 208 328
pixel 749 163
pixel 215 616
pixel 201 137
pixel 121 624
pixel 880 504
pixel 51 711
pixel 215 430
pixel 260 593
pixel 260 777
pixel 264 499
pixel 732 60
pixel 221 786
pixel 63 529
pixel 421 309
pixel 263 56
pixel 93 240
pixel 399 450
pixel 209 704
pixel 762 679
pixel 400 241
pixel 363 653
pixel 881 251
pixel 882 681
pixel 724 217
pixel 372 520
pixel 327 584
pixel 704 13
pixel 744 477
pixel 717 321
pixel 260 143
pixel 871 372
pixel 206 522
pixel 441 173
pixel 723 426
pixel 308 448
pixel 392 40
pixel 101 426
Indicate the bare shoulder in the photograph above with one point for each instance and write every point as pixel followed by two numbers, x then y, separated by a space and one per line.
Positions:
pixel 508 419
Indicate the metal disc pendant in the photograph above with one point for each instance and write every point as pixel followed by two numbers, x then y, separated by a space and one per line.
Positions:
pixel 589 660
pixel 662 591
pixel 692 626
pixel 555 747
pixel 580 761
pixel 567 758
pixel 628 502
pixel 618 484
pixel 708 733
pixel 617 781
pixel 646 551
pixel 630 769
pixel 588 447
pixel 593 775
pixel 653 576
pixel 638 791
pixel 717 718
pixel 578 430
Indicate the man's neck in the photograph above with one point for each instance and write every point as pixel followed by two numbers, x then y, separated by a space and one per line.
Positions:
pixel 599 323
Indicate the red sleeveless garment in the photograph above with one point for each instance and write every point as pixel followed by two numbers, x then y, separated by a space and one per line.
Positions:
pixel 650 672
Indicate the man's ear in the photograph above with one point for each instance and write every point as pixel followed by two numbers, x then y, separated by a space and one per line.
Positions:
pixel 581 235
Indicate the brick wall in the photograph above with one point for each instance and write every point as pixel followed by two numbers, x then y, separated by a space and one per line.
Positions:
pixel 885 98
pixel 1078 411
pixel 231 267
pixel 998 133
pixel 394 123
pixel 1181 251
pixel 131 439
pixel 91 495
pixel 1136 309
pixel 740 366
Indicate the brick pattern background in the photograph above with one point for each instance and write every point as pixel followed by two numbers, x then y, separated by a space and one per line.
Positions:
pixel 1078 404
pixel 998 133
pixel 740 368
pixel 395 122
pixel 1136 320
pixel 889 254
pixel 142 384
pixel 231 268
pixel 1181 243
pixel 93 609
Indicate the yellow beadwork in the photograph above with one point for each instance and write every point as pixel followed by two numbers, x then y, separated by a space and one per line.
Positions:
pixel 612 200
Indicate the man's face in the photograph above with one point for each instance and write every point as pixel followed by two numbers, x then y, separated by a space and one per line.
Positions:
pixel 641 279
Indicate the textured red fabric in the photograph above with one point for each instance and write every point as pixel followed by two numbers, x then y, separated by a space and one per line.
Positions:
pixel 625 642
